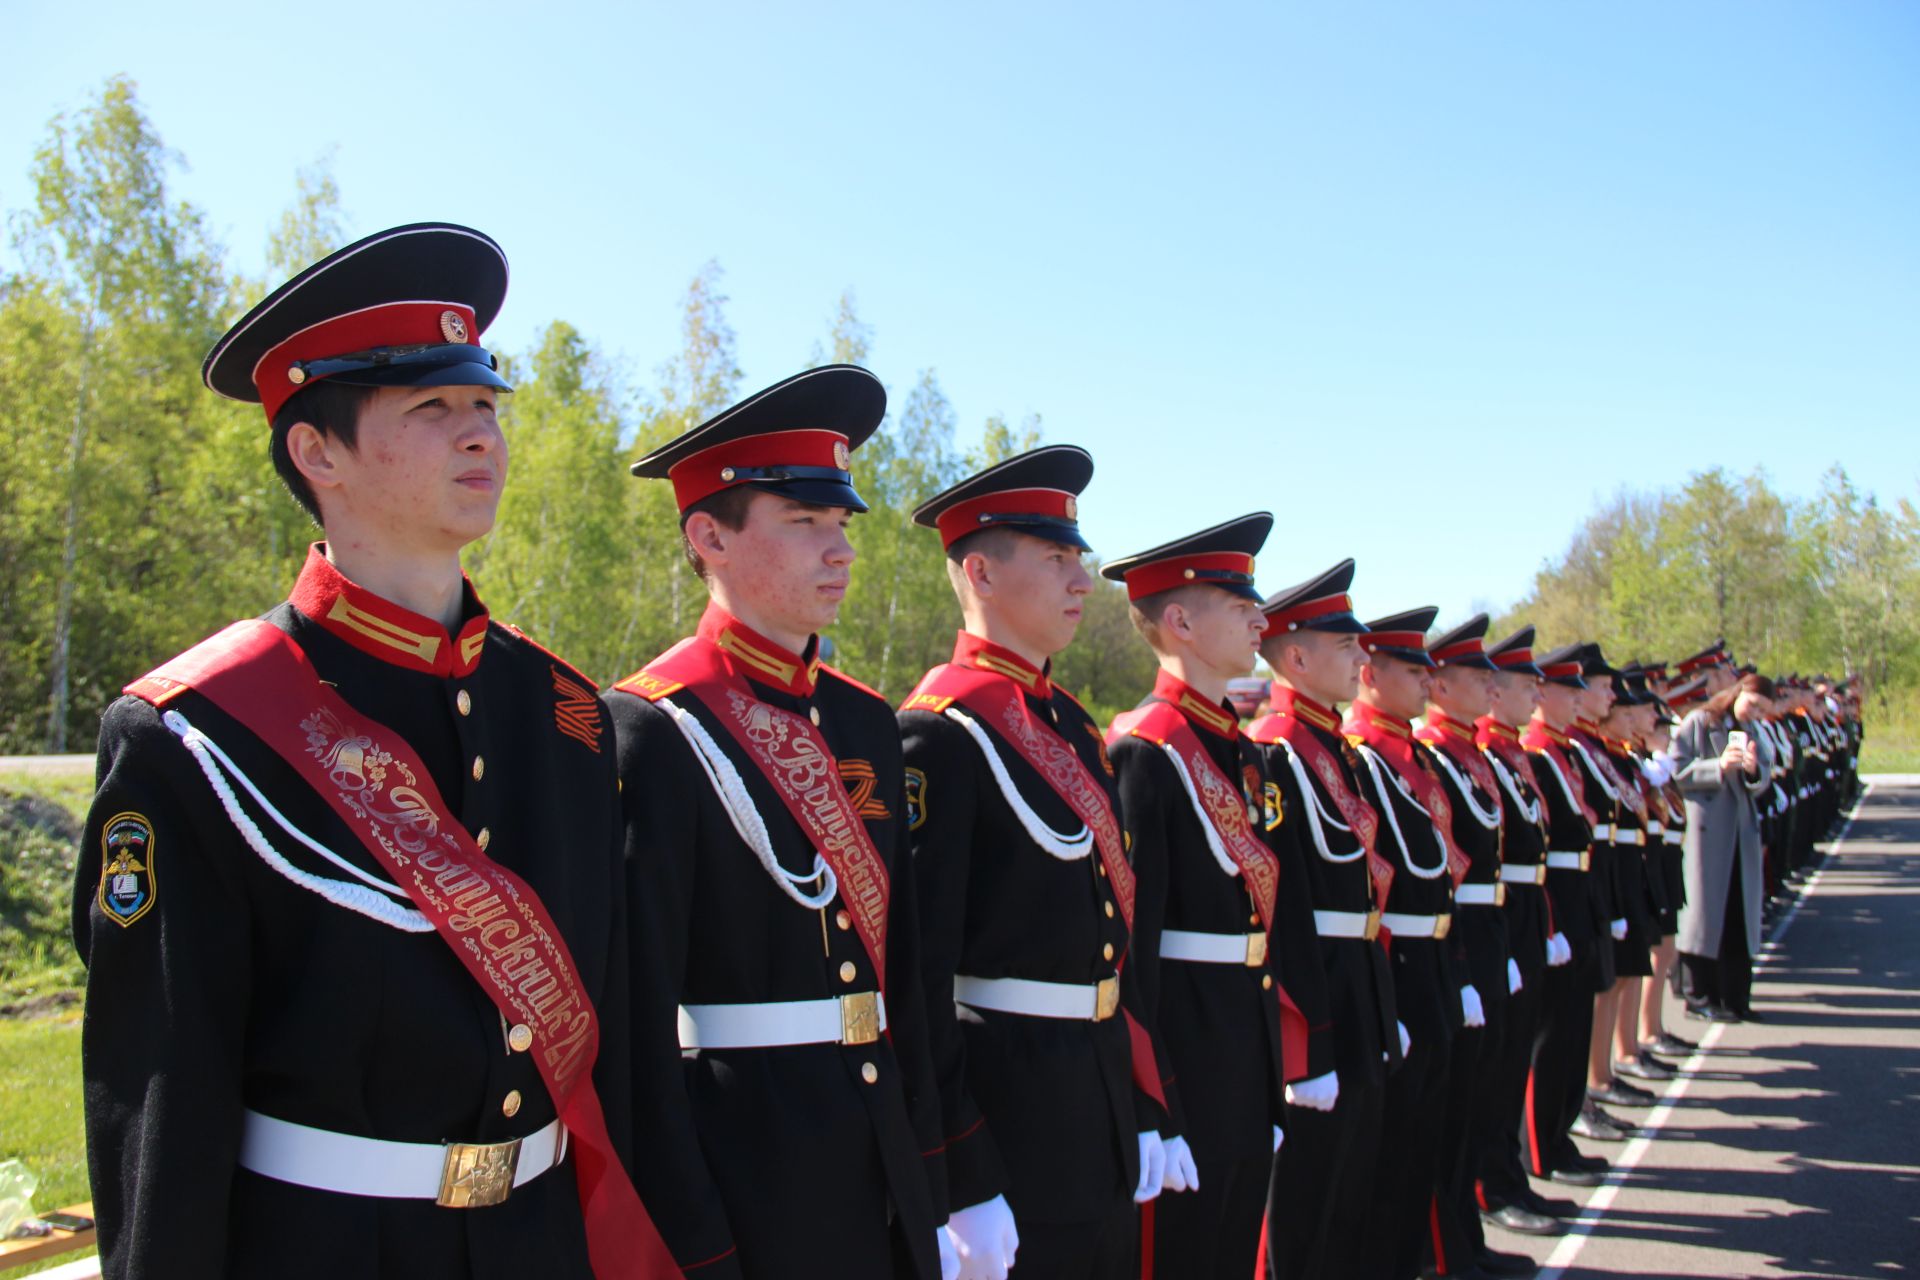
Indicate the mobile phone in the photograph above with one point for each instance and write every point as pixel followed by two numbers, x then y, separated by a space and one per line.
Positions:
pixel 1737 739
pixel 67 1221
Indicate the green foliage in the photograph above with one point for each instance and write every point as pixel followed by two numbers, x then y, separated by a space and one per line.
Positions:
pixel 41 1123
pixel 38 837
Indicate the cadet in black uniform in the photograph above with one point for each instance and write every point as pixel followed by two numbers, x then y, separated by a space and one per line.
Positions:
pixel 300 835
pixel 1581 905
pixel 1321 1209
pixel 1460 693
pixel 1434 994
pixel 783 1096
pixel 1215 906
pixel 1053 1098
pixel 1507 1199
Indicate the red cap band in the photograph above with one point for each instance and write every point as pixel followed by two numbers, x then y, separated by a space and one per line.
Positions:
pixel 703 474
pixel 1392 640
pixel 1214 569
pixel 1006 506
pixel 1468 648
pixel 1512 658
pixel 392 324
pixel 1290 618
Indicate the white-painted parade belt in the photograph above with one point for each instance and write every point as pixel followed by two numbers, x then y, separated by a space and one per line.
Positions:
pixel 1070 1001
pixel 1247 949
pixel 1675 835
pixel 1629 836
pixel 1403 926
pixel 850 1019
pixel 1563 860
pixel 1347 924
pixel 1602 831
pixel 1524 872
pixel 1655 828
pixel 1480 895
pixel 458 1175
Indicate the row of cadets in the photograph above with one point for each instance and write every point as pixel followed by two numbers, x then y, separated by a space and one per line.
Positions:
pixel 1666 852
pixel 787 1119
pixel 1581 904
pixel 1488 935
pixel 309 827
pixel 1053 1097
pixel 1433 994
pixel 1535 945
pixel 1321 1207
pixel 1221 923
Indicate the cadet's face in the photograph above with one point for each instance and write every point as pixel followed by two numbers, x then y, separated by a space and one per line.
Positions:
pixel 1223 628
pixel 1466 692
pixel 785 571
pixel 1597 700
pixel 424 475
pixel 1515 695
pixel 1039 592
pixel 1400 687
pixel 1326 665
pixel 1558 703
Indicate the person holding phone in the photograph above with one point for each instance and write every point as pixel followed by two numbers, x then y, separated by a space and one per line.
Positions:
pixel 1722 767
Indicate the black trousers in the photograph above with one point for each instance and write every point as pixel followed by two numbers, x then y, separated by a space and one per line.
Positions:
pixel 1505 1065
pixel 1323 1199
pixel 1470 1125
pixel 1104 1249
pixel 1212 1233
pixel 1558 1084
pixel 1409 1161
pixel 1725 979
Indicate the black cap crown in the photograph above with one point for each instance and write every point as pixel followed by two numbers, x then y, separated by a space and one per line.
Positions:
pixel 1402 636
pixel 1321 603
pixel 1036 492
pixel 1221 557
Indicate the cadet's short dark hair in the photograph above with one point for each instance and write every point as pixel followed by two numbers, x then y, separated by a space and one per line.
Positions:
pixel 728 509
pixel 995 542
pixel 1148 612
pixel 331 408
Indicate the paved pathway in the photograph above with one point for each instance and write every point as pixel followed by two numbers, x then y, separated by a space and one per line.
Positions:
pixel 1789 1147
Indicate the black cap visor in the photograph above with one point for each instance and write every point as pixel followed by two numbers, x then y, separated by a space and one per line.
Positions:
pixel 454 364
pixel 1065 531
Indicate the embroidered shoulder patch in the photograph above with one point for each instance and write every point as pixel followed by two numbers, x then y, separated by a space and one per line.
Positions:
pixel 576 710
pixel 1272 810
pixel 860 782
pixel 916 799
pixel 127 885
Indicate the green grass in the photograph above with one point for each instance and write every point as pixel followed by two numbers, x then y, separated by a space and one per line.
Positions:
pixel 40 1118
pixel 40 824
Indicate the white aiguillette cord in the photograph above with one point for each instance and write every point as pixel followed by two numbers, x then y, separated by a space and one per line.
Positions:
pixel 1374 766
pixel 1488 818
pixel 1067 848
pixel 1316 812
pixel 357 898
pixel 727 784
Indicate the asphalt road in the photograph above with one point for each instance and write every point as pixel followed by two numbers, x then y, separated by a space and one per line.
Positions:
pixel 1789 1147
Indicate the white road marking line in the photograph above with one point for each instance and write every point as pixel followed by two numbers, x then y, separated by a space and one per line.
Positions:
pixel 1596 1209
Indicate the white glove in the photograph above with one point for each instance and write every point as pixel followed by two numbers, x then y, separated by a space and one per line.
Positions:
pixel 949 1260
pixel 1514 981
pixel 1278 1138
pixel 1181 1174
pixel 1471 1009
pixel 985 1238
pixel 1406 1041
pixel 1559 951
pixel 1153 1166
pixel 1317 1094
pixel 1618 929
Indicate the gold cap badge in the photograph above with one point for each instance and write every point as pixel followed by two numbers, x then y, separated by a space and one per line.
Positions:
pixel 452 327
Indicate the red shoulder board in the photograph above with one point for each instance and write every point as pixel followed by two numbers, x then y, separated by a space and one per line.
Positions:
pixel 215 654
pixel 1148 723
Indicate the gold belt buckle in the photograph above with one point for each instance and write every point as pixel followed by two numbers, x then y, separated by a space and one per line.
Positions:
pixel 860 1018
pixel 1106 998
pixel 1441 924
pixel 1500 894
pixel 1373 926
pixel 1586 859
pixel 1256 950
pixel 477 1174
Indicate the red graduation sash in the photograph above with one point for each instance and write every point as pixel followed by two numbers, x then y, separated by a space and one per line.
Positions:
pixel 1224 808
pixel 1399 753
pixel 1359 815
pixel 790 754
pixel 1001 702
pixel 490 917
pixel 1539 740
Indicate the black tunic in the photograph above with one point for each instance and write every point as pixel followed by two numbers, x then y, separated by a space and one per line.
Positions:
pixel 237 988
pixel 779 1161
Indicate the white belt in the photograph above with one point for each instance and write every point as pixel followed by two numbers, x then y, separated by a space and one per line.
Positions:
pixel 1602 831
pixel 1480 895
pixel 1562 860
pixel 1655 828
pixel 458 1175
pixel 1073 1001
pixel 1347 924
pixel 1416 926
pixel 849 1019
pixel 1674 835
pixel 1246 949
pixel 1524 872
pixel 1629 835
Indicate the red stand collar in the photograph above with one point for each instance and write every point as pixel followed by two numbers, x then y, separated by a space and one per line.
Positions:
pixel 1540 729
pixel 767 663
pixel 1369 721
pixel 1488 730
pixel 1211 716
pixel 981 654
pixel 1287 700
pixel 1440 721
pixel 378 626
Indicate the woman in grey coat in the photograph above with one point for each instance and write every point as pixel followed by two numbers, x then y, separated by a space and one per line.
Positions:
pixel 1721 775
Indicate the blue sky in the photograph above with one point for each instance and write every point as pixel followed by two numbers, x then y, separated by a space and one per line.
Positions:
pixel 1427 280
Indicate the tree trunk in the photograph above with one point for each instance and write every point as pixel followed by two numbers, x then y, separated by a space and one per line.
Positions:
pixel 58 695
